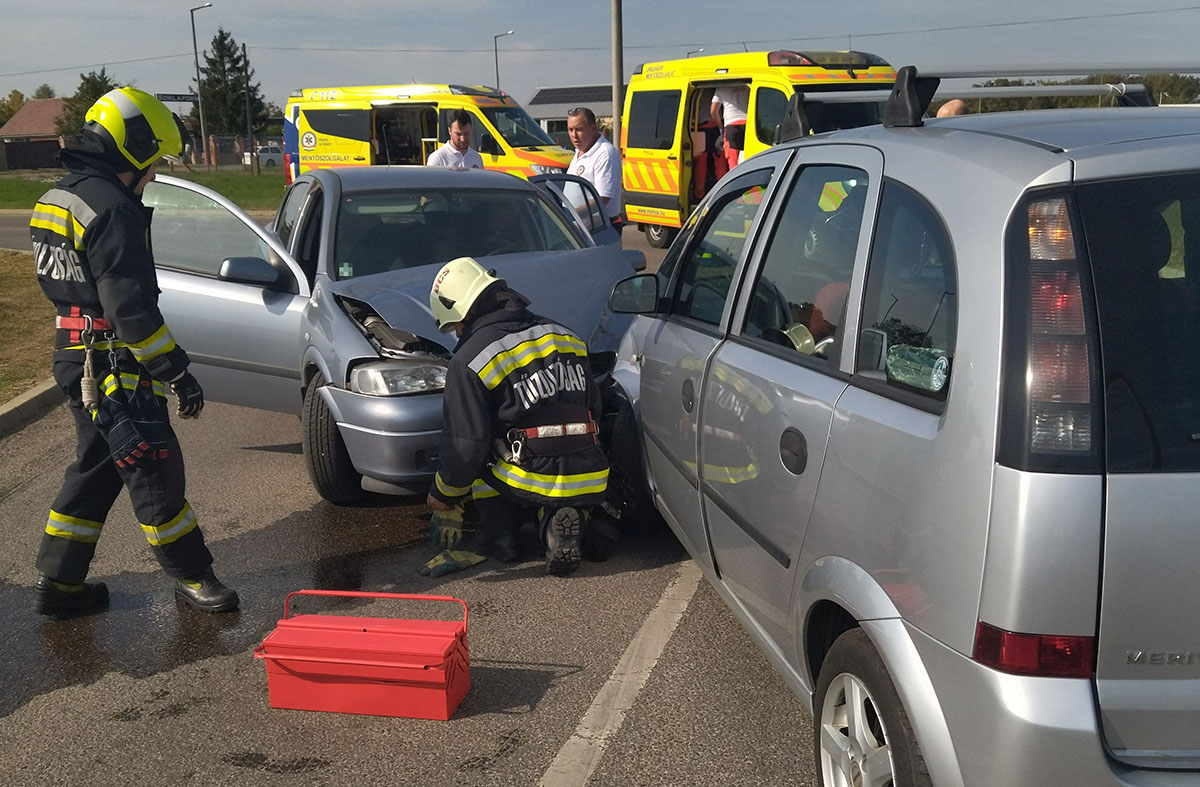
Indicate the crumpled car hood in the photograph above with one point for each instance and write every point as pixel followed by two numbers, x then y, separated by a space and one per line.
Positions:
pixel 569 287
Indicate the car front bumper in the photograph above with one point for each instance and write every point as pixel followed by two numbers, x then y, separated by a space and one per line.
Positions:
pixel 390 439
pixel 1021 731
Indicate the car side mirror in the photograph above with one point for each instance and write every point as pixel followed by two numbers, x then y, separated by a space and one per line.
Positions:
pixel 489 146
pixel 635 295
pixel 249 270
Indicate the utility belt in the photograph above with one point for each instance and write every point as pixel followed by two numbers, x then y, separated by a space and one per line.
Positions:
pixel 553 439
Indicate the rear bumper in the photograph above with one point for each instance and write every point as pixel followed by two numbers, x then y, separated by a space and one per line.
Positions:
pixel 393 439
pixel 1021 731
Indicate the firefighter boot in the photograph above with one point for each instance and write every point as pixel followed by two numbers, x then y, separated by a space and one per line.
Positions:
pixel 562 534
pixel 206 593
pixel 500 546
pixel 60 600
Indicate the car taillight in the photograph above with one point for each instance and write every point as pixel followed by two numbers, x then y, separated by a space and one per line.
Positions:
pixel 287 169
pixel 1040 655
pixel 1050 420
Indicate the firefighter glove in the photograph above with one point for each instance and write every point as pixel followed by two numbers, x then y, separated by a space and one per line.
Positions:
pixel 191 396
pixel 446 528
pixel 126 444
pixel 450 560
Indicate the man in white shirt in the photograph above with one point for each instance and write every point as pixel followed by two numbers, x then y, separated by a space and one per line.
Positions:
pixel 729 110
pixel 596 161
pixel 457 153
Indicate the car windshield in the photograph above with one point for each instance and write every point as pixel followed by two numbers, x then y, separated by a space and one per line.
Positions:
pixel 1142 239
pixel 518 129
pixel 390 230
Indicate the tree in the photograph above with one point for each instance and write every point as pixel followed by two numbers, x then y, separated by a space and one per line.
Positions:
pixel 223 88
pixel 10 105
pixel 44 91
pixel 92 86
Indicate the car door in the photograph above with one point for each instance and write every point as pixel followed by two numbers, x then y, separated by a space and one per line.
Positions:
pixel 581 202
pixel 677 349
pixel 243 337
pixel 770 389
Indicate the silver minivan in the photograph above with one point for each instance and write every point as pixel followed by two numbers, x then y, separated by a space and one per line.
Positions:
pixel 923 402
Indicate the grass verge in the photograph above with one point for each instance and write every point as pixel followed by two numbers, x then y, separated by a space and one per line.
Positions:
pixel 28 320
pixel 248 191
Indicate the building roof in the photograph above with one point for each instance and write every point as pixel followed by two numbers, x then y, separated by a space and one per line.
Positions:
pixel 555 102
pixel 35 118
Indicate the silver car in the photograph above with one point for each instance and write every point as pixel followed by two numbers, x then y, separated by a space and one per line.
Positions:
pixel 325 312
pixel 923 402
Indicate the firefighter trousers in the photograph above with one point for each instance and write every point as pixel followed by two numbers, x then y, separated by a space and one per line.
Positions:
pixel 91 485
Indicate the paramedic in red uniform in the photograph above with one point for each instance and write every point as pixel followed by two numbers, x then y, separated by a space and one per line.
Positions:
pixel 115 359
pixel 520 412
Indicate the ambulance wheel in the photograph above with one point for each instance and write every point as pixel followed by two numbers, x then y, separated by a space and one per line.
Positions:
pixel 658 236
pixel 861 734
pixel 325 454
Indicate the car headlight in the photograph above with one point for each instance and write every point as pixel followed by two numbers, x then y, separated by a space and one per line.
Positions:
pixel 544 170
pixel 397 378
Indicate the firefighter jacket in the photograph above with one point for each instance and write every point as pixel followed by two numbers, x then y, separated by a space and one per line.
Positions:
pixel 513 370
pixel 91 244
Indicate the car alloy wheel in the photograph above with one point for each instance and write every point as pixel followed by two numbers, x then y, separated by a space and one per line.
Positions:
pixel 862 736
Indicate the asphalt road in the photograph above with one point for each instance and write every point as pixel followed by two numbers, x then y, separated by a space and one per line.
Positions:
pixel 627 673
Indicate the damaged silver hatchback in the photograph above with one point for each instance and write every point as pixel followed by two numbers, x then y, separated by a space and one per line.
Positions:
pixel 324 312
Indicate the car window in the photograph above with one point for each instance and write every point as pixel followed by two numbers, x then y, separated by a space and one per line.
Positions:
pixel 910 308
pixel 770 107
pixel 517 127
pixel 707 267
pixel 406 228
pixel 307 248
pixel 653 116
pixel 191 232
pixel 291 209
pixel 799 298
pixel 1145 260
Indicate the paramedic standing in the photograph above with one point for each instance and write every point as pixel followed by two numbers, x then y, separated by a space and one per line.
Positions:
pixel 457 153
pixel 596 161
pixel 115 358
pixel 729 110
pixel 520 413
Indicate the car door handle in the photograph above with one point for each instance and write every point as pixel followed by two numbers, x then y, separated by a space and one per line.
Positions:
pixel 793 451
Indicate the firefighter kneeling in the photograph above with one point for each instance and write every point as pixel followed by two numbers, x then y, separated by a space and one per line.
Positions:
pixel 520 424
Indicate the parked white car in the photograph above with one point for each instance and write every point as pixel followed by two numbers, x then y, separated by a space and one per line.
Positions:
pixel 268 156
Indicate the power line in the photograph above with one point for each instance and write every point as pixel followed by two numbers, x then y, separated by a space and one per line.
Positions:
pixel 435 50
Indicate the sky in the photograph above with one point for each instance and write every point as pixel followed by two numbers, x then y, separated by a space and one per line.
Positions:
pixel 305 43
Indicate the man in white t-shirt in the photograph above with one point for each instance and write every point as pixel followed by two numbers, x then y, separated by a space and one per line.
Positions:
pixel 596 161
pixel 457 153
pixel 729 110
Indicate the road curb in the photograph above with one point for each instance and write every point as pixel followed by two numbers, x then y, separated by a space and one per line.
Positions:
pixel 29 406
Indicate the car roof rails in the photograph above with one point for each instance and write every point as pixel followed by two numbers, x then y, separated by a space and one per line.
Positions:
pixel 910 98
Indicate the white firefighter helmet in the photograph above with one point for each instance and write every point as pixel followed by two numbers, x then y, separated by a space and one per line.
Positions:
pixel 457 286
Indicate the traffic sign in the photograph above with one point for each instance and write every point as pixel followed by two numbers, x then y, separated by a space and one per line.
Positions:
pixel 192 97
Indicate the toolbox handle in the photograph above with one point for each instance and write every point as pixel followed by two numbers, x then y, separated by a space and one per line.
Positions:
pixel 372 594
pixel 261 653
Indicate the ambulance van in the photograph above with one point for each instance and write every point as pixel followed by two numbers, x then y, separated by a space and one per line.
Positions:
pixel 669 143
pixel 403 124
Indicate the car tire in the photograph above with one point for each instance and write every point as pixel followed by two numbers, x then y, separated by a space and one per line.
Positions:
pixel 658 236
pixel 269 162
pixel 628 490
pixel 329 466
pixel 860 728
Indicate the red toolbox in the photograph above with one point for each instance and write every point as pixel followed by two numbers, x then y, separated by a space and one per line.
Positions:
pixel 377 666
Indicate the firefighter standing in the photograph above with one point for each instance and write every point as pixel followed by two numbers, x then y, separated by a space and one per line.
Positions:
pixel 115 357
pixel 520 429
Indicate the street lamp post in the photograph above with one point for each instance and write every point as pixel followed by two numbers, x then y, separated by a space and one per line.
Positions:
pixel 199 92
pixel 496 53
pixel 694 52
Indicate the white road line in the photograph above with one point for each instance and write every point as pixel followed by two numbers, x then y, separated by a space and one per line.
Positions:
pixel 580 755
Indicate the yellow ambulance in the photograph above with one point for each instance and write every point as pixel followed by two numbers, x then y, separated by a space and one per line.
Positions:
pixel 403 124
pixel 668 140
